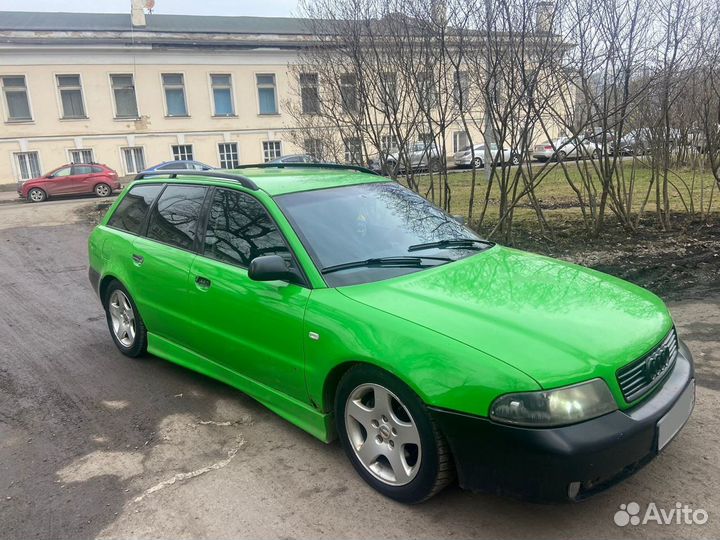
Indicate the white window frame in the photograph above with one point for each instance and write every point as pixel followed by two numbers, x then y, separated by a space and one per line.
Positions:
pixel 348 152
pixel 124 162
pixel 267 150
pixel 394 145
pixel 175 155
pixel 114 101
pixel 185 94
pixel 317 143
pixel 344 85
pixel 316 86
pixel 18 169
pixel 259 85
pixel 456 136
pixel 231 87
pixel 6 105
pixel 220 154
pixel 71 150
pixel 58 95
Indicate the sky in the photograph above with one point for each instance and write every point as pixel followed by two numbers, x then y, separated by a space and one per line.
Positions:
pixel 265 8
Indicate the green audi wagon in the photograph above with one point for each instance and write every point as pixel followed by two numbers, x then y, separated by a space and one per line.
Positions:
pixel 357 310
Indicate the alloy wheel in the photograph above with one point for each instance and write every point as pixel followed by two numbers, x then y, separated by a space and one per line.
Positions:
pixel 383 434
pixel 122 316
pixel 36 195
pixel 102 190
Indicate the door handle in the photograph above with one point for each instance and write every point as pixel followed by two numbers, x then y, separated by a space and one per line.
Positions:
pixel 202 282
pixel 138 260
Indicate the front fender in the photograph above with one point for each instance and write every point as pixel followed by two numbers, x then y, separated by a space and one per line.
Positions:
pixel 442 371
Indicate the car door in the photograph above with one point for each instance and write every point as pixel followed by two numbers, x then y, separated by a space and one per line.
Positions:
pixel 252 328
pixel 60 182
pixel 84 179
pixel 162 259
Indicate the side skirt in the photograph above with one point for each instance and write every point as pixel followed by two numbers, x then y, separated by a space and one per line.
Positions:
pixel 318 424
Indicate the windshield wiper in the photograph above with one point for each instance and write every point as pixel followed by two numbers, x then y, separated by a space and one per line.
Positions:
pixel 467 243
pixel 402 261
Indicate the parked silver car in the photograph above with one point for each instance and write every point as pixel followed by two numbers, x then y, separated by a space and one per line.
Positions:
pixel 465 158
pixel 566 147
pixel 422 156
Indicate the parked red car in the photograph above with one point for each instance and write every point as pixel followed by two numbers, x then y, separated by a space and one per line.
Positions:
pixel 72 179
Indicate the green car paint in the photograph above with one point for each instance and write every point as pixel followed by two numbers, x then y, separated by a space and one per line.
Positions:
pixel 459 334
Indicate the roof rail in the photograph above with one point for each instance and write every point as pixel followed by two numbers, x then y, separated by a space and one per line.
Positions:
pixel 243 180
pixel 357 168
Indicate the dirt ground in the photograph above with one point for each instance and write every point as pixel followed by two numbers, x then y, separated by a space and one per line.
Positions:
pixel 95 445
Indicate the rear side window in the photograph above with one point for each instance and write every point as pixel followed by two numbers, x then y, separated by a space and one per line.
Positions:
pixel 82 169
pixel 97 169
pixel 131 212
pixel 175 218
pixel 239 229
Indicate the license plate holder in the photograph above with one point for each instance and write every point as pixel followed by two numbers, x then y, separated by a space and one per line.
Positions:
pixel 674 420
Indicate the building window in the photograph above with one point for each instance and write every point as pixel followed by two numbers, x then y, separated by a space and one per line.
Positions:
pixel 348 92
pixel 314 147
pixel 16 98
pixel 389 144
pixel 71 96
pixel 228 155
pixel 271 150
pixel 266 94
pixel 388 81
pixel 28 165
pixel 174 85
pixel 81 156
pixel 182 152
pixel 461 90
pixel 427 91
pixel 222 95
pixel 460 141
pixel 123 87
pixel 353 150
pixel 310 93
pixel 134 159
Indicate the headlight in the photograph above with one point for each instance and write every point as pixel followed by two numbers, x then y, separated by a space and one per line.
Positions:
pixel 557 407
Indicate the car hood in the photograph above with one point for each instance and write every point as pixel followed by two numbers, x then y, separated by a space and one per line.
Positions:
pixel 557 322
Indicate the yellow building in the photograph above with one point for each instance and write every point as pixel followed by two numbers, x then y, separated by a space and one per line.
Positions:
pixel 133 92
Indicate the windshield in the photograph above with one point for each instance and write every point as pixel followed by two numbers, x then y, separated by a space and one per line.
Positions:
pixel 352 224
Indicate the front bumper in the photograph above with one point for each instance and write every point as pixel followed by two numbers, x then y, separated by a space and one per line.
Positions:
pixel 564 463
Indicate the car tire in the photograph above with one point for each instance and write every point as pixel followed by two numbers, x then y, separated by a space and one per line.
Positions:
pixel 560 156
pixel 36 195
pixel 477 163
pixel 434 165
pixel 409 472
pixel 103 190
pixel 124 322
pixel 514 159
pixel 595 154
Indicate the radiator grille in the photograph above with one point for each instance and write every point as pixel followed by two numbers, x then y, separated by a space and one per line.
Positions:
pixel 642 375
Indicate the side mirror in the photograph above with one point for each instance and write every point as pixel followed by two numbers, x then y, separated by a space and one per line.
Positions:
pixel 459 219
pixel 271 268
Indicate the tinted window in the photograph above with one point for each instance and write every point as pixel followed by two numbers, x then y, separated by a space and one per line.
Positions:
pixel 239 229
pixel 131 211
pixel 175 217
pixel 173 167
pixel 82 169
pixel 96 169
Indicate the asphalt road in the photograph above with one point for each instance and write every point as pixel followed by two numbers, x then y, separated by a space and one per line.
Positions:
pixel 93 444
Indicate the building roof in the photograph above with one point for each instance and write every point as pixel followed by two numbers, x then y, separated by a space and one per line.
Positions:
pixel 118 22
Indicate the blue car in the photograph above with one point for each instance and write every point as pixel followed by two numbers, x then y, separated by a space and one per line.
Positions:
pixel 181 164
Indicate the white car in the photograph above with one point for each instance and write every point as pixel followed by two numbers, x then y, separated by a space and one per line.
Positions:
pixel 566 147
pixel 421 156
pixel 465 158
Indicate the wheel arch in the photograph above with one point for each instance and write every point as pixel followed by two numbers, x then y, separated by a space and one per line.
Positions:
pixel 105 283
